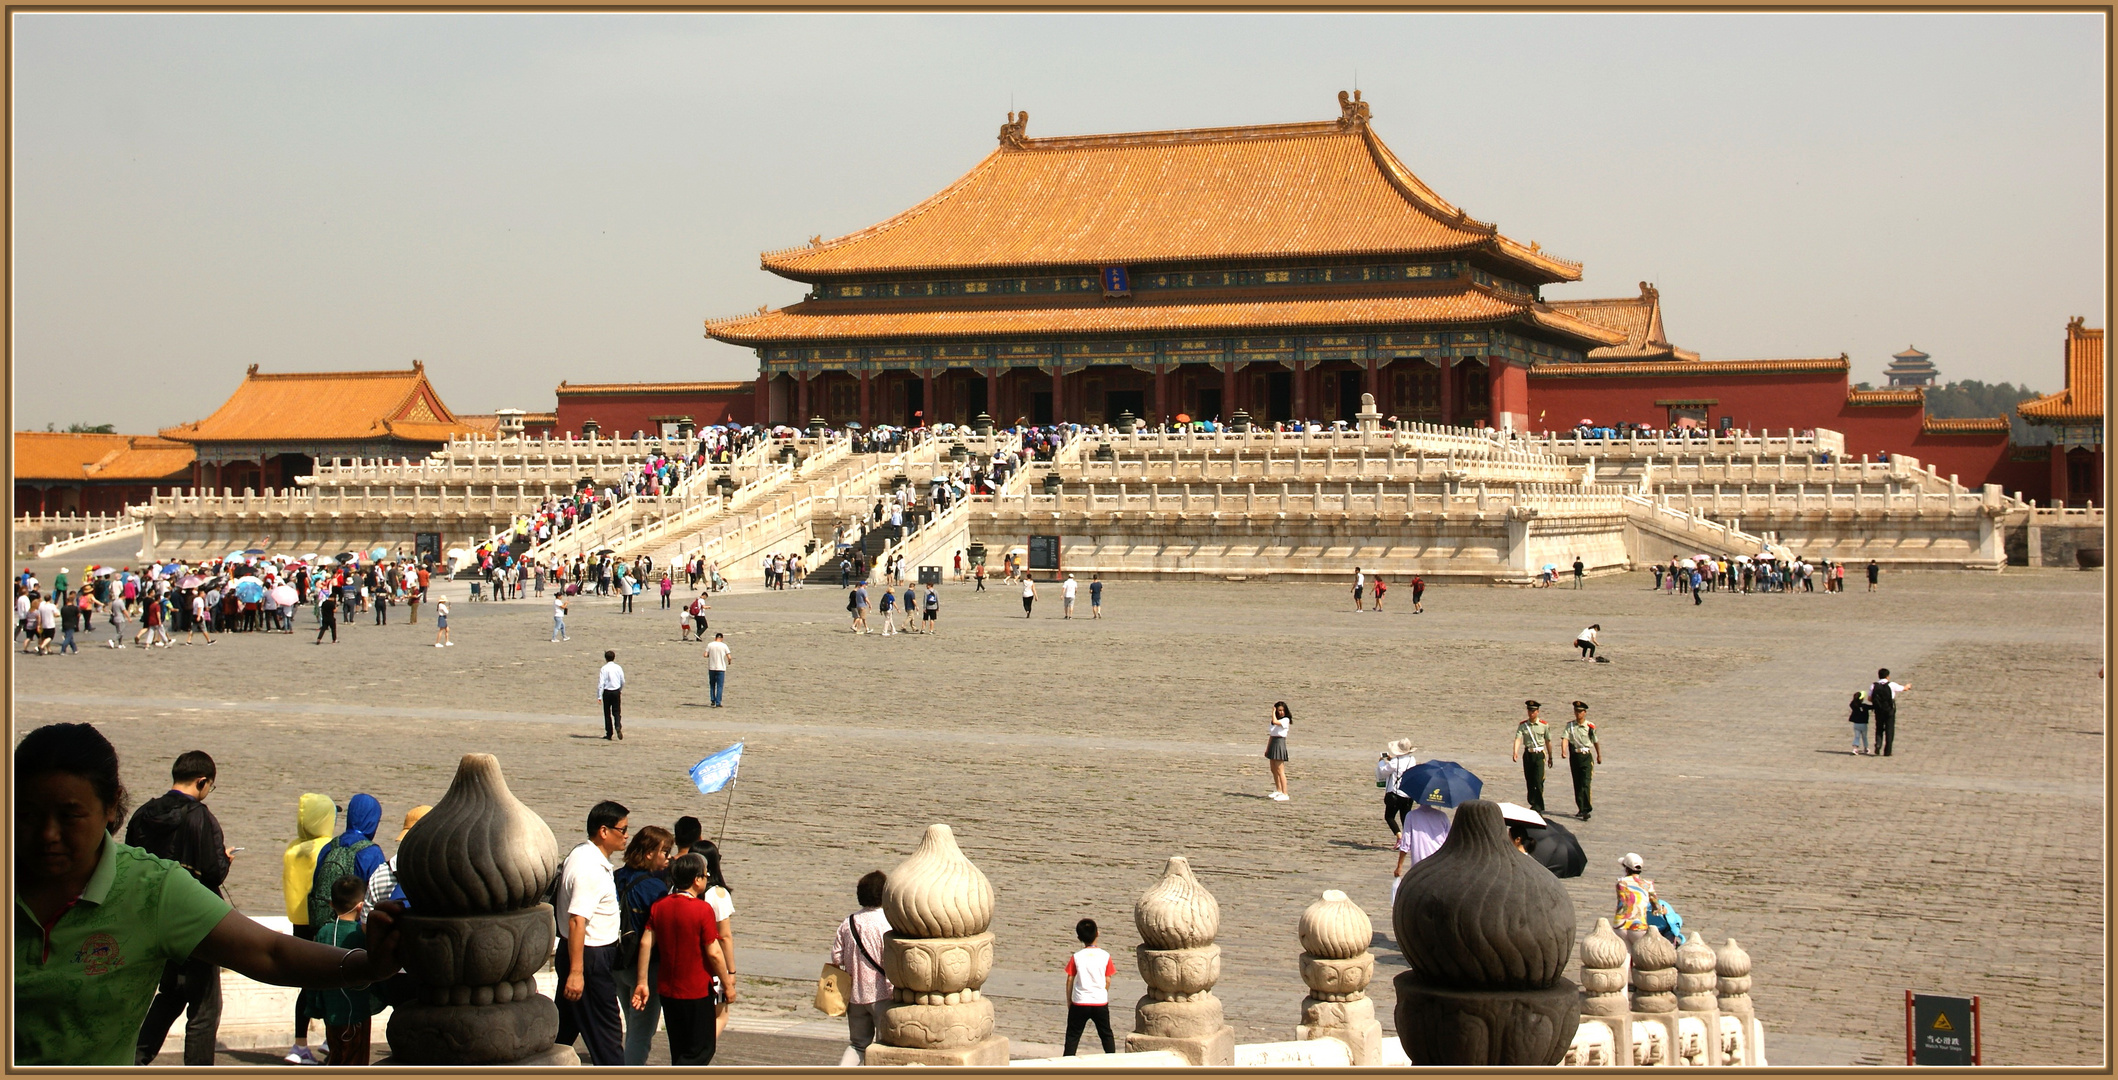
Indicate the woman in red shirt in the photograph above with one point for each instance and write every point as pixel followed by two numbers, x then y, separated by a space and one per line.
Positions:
pixel 682 937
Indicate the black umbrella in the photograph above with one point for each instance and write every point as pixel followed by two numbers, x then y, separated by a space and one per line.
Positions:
pixel 1554 847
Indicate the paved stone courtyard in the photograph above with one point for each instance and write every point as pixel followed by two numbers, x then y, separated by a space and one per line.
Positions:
pixel 1073 757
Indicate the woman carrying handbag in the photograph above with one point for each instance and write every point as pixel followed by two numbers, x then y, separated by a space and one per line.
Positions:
pixel 856 953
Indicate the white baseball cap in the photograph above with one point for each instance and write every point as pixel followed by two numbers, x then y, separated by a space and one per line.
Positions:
pixel 1632 862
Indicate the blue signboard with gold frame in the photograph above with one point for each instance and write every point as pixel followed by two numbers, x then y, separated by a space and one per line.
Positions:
pixel 1116 281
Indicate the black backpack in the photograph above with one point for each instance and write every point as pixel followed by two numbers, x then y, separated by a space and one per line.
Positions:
pixel 1882 700
pixel 339 862
pixel 632 918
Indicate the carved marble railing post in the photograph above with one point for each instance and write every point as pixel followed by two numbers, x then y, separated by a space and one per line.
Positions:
pixel 1654 1003
pixel 1732 994
pixel 1337 967
pixel 1487 932
pixel 1698 1015
pixel 1603 959
pixel 937 954
pixel 476 929
pixel 1177 919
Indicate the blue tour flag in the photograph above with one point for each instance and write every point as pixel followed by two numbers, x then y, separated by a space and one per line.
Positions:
pixel 717 770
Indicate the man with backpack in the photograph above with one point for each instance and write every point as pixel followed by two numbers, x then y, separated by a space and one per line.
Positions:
pixel 1882 697
pixel 353 853
pixel 177 826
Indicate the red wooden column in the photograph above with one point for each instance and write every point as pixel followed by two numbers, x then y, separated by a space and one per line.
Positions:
pixel 763 415
pixel 992 398
pixel 1301 392
pixel 801 400
pixel 926 399
pixel 867 412
pixel 1059 394
pixel 1448 392
pixel 1496 373
pixel 1162 413
pixel 1371 384
pixel 1229 405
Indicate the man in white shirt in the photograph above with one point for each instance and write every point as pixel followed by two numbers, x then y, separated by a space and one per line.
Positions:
pixel 559 618
pixel 610 682
pixel 1882 697
pixel 717 668
pixel 23 626
pixel 1066 597
pixel 588 939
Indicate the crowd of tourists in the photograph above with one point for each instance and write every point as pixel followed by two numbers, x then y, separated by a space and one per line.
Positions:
pixel 1697 575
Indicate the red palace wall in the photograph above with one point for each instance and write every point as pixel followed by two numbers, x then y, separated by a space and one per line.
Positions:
pixel 1777 402
pixel 623 413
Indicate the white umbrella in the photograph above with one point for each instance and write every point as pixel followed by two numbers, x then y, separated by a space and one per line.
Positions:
pixel 285 596
pixel 1511 812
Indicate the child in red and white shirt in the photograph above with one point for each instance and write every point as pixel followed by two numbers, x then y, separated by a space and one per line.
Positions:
pixel 1088 976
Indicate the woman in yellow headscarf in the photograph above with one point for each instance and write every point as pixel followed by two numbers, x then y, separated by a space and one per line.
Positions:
pixel 313 824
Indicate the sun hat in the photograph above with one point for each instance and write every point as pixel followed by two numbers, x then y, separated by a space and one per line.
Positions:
pixel 1399 747
pixel 411 818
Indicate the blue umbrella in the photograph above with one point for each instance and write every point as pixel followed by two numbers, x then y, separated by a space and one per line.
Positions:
pixel 250 590
pixel 1441 784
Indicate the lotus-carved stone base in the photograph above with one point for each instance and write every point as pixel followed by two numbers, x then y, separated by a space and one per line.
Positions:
pixel 935 1027
pixel 1440 1026
pixel 937 965
pixel 1193 1019
pixel 990 1051
pixel 472 1034
pixel 1212 1049
pixel 1350 1022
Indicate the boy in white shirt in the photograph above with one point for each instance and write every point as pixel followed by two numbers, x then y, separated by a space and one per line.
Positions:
pixel 1088 975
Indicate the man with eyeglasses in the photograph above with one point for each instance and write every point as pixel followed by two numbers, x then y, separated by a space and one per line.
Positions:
pixel 587 903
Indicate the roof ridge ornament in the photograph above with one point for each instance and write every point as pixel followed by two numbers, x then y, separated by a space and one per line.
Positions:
pixel 1649 292
pixel 1012 132
pixel 1352 111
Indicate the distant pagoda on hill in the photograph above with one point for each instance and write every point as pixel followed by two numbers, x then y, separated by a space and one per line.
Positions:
pixel 1911 368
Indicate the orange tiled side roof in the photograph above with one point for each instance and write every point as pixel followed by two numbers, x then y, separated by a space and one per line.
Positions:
pixel 1270 191
pixel 809 321
pixel 2082 400
pixel 1680 368
pixel 1965 425
pixel 566 389
pixel 1639 318
pixel 45 455
pixel 1900 395
pixel 326 406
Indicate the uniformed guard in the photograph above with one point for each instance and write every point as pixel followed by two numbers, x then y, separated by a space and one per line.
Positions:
pixel 1534 749
pixel 1577 743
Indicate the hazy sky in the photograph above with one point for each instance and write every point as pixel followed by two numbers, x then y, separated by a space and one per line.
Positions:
pixel 518 199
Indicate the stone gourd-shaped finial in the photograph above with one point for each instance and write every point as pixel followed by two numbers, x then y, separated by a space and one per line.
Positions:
pixel 476 929
pixel 937 955
pixel 479 850
pixel 1695 975
pixel 1654 974
pixel 1732 987
pixel 1603 956
pixel 1177 919
pixel 1488 932
pixel 1337 967
pixel 1177 912
pixel 937 892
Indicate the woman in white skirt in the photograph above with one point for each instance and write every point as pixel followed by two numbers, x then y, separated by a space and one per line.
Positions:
pixel 1276 748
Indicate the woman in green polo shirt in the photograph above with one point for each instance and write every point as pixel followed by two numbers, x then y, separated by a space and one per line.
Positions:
pixel 96 920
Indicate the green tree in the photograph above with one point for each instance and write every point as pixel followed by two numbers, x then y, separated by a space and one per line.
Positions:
pixel 1972 398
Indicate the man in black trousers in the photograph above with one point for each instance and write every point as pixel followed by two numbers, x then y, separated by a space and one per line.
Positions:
pixel 1882 697
pixel 177 826
pixel 610 685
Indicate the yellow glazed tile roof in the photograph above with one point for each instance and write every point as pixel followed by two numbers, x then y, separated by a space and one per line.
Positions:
pixel 840 321
pixel 327 406
pixel 566 389
pixel 1894 395
pixel 1966 425
pixel 1682 368
pixel 1278 191
pixel 1639 318
pixel 2082 400
pixel 45 455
